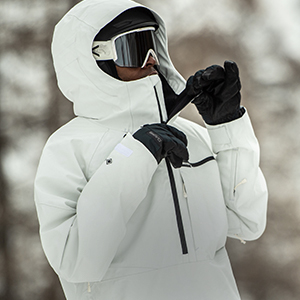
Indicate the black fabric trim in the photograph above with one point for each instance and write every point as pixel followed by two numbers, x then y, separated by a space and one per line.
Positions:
pixel 169 95
pixel 174 102
pixel 109 67
pixel 183 99
pixel 159 107
pixel 199 163
pixel 177 209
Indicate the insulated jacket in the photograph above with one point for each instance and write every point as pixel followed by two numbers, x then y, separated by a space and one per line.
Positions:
pixel 114 224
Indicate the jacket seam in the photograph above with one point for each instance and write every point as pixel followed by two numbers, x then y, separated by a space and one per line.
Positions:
pixel 162 268
pixel 94 153
pixel 80 20
pixel 56 206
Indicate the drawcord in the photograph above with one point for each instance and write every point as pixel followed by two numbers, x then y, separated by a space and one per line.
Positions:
pixel 242 241
pixel 242 182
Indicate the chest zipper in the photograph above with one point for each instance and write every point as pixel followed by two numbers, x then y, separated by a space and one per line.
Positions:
pixel 177 209
pixel 174 191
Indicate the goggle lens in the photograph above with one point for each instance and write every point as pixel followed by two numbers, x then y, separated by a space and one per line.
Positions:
pixel 133 49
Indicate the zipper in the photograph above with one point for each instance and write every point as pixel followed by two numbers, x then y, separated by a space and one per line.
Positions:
pixel 233 186
pixel 177 209
pixel 89 289
pixel 174 191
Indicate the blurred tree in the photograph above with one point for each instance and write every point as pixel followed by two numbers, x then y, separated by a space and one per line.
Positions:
pixel 26 33
pixel 6 261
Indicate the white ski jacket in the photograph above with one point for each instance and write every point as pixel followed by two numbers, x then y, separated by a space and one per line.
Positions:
pixel 114 225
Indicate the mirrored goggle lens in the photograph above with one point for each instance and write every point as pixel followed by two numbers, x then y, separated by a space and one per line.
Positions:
pixel 132 49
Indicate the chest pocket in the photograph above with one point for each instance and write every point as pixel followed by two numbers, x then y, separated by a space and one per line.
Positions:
pixel 206 206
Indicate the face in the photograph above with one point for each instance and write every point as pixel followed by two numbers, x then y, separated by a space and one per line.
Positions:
pixel 130 74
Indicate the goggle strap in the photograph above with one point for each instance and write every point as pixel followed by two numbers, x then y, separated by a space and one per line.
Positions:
pixel 104 50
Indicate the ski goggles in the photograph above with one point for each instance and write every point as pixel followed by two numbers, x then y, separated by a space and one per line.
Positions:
pixel 129 49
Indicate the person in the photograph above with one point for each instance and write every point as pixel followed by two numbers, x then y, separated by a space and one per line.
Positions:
pixel 134 202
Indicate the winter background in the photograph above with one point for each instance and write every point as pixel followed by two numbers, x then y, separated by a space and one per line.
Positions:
pixel 262 36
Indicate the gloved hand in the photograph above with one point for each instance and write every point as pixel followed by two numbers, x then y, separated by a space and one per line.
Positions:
pixel 217 93
pixel 164 141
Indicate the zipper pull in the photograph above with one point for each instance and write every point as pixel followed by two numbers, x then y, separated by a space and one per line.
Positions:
pixel 242 182
pixel 184 190
pixel 242 241
pixel 89 288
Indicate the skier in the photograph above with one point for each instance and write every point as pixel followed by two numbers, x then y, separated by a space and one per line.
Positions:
pixel 135 202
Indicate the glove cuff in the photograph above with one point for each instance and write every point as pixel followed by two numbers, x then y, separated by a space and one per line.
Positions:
pixel 151 140
pixel 228 118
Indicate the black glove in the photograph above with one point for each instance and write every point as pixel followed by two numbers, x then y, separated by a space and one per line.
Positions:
pixel 217 93
pixel 164 141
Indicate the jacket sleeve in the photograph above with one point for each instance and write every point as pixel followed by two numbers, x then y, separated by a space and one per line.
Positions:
pixel 83 222
pixel 243 183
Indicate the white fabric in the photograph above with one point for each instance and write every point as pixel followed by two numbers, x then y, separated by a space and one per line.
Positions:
pixel 106 212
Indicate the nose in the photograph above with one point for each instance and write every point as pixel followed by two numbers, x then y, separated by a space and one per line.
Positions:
pixel 151 62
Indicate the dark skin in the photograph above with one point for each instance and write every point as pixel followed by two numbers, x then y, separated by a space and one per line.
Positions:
pixel 129 74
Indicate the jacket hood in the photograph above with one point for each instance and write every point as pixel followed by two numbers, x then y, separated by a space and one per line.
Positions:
pixel 94 93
